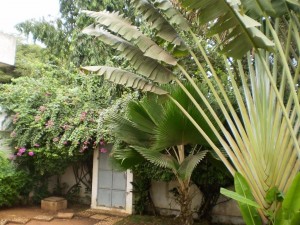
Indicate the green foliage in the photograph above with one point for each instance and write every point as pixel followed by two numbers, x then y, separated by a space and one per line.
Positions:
pixel 209 176
pixel 13 184
pixel 288 214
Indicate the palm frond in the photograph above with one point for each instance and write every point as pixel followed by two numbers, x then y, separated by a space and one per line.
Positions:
pixel 128 132
pixel 173 15
pixel 116 23
pixel 189 164
pixel 145 66
pixel 152 16
pixel 157 158
pixel 239 30
pixel 141 119
pixel 125 78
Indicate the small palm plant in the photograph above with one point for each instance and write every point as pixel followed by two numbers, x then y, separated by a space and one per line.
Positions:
pixel 156 131
pixel 261 61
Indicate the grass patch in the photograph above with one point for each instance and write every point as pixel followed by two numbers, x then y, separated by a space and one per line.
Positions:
pixel 151 220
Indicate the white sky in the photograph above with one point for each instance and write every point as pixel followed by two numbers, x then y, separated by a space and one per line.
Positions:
pixel 13 12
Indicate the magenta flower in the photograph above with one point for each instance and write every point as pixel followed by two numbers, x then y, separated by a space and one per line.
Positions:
pixel 103 150
pixel 36 145
pixel 31 153
pixel 19 154
pixel 102 142
pixel 22 150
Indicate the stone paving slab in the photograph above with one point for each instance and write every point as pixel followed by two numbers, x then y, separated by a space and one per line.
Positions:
pixel 43 218
pixel 109 221
pixel 99 217
pixel 64 215
pixel 3 222
pixel 19 220
pixel 85 213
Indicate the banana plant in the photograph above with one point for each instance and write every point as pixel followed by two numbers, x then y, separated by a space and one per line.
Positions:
pixel 259 42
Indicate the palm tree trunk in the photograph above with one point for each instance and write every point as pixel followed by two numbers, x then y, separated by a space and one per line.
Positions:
pixel 185 202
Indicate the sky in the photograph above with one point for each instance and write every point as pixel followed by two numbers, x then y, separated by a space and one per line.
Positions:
pixel 13 12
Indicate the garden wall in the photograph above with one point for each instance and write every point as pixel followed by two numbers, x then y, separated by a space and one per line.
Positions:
pixel 69 180
pixel 226 212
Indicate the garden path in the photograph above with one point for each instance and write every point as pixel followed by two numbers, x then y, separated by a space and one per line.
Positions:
pixel 71 216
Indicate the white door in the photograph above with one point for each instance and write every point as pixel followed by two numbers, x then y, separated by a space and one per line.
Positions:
pixel 111 185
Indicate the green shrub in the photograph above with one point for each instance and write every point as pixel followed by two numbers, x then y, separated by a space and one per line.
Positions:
pixel 12 183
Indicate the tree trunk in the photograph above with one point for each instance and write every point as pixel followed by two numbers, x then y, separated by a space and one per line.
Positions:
pixel 185 201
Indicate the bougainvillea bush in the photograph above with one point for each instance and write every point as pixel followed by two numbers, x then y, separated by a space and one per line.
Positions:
pixel 57 120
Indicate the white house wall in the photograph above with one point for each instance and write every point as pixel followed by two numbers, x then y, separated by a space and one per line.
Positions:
pixel 7 50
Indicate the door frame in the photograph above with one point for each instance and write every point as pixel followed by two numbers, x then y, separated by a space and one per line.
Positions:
pixel 129 178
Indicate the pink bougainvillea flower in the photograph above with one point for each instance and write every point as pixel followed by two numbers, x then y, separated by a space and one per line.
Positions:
pixel 66 127
pixel 102 142
pixel 13 134
pixel 16 117
pixel 19 154
pixel 49 124
pixel 103 150
pixel 37 118
pixel 42 108
pixel 56 139
pixel 12 157
pixel 36 145
pixel 22 150
pixel 31 153
pixel 83 116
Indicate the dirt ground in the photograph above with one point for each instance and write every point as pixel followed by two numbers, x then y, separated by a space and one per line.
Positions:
pixel 30 212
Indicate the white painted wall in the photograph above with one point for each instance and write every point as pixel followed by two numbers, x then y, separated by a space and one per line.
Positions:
pixel 227 213
pixel 69 179
pixel 7 49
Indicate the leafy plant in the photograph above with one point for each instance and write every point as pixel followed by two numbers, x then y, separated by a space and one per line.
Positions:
pixel 13 184
pixel 288 213
pixel 263 132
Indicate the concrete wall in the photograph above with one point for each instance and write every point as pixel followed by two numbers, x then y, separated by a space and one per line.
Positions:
pixel 3 133
pixel 7 50
pixel 68 178
pixel 226 212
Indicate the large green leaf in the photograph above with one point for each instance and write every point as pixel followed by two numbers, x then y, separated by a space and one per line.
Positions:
pixel 157 22
pixel 157 158
pixel 249 212
pixel 125 78
pixel 189 164
pixel 274 8
pixel 145 66
pixel 172 14
pixel 291 202
pixel 238 197
pixel 116 23
pixel 239 31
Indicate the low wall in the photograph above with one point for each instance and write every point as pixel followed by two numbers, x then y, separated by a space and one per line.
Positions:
pixel 226 212
pixel 69 180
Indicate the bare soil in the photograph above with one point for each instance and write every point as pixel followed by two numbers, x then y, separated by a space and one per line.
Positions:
pixel 30 212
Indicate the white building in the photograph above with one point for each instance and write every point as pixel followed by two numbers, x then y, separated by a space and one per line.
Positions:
pixel 7 50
